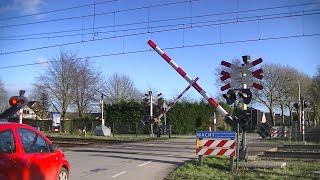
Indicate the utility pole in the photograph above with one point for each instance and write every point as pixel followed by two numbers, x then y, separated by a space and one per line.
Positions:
pixel 102 116
pixel 151 113
pixel 299 105
pixel 303 122
pixel 21 93
pixel 243 152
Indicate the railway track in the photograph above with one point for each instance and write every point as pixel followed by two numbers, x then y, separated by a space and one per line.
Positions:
pixel 73 142
pixel 293 152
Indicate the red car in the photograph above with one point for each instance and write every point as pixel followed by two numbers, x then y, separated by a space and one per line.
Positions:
pixel 27 154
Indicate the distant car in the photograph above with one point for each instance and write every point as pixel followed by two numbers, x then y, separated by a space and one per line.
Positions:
pixel 27 154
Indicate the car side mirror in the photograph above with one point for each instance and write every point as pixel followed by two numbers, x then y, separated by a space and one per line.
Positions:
pixel 54 147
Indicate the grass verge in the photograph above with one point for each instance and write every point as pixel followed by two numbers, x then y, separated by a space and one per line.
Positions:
pixel 215 167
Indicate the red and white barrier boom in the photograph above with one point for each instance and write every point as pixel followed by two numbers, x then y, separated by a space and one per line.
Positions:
pixel 174 102
pixel 204 94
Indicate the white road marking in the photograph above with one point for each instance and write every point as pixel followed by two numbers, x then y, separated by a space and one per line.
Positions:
pixel 129 147
pixel 119 174
pixel 145 163
pixel 109 146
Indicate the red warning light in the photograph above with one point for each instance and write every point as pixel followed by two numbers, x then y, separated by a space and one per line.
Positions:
pixel 13 101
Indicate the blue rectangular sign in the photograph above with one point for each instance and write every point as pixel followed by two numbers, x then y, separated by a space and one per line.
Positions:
pixel 217 134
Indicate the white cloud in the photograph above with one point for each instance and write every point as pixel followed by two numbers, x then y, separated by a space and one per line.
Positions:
pixel 30 6
pixel 42 60
pixel 24 7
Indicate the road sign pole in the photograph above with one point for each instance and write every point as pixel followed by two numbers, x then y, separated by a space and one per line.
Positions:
pixel 214 122
pixel 231 163
pixel 237 158
pixel 200 157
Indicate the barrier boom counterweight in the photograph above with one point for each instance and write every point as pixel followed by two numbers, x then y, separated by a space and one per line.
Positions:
pixel 228 118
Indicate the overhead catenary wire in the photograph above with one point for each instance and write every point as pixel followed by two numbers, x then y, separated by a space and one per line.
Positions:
pixel 207 23
pixel 142 28
pixel 57 10
pixel 171 48
pixel 97 14
pixel 132 9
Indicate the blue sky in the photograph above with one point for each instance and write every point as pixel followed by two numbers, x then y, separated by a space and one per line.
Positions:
pixel 197 35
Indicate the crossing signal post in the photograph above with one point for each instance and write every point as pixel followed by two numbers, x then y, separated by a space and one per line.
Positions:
pixel 241 76
pixel 149 101
pixel 300 108
pixel 19 102
pixel 16 104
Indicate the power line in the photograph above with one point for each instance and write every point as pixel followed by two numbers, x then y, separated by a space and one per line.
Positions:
pixel 99 14
pixel 138 23
pixel 172 48
pixel 213 23
pixel 57 10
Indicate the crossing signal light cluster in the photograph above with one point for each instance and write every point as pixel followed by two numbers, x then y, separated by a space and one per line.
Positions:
pixel 305 104
pixel 245 94
pixel 18 101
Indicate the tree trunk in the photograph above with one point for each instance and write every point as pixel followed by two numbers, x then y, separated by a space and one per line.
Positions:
pixel 282 114
pixel 272 117
pixel 290 111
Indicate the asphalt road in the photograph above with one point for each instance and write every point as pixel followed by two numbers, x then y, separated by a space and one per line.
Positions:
pixel 148 160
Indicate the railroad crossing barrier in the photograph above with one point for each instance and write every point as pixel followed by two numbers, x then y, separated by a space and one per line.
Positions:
pixel 220 143
pixel 279 132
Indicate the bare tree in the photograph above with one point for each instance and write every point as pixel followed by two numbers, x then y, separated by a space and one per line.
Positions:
pixel 58 79
pixel 270 95
pixel 3 97
pixel 306 83
pixel 86 82
pixel 217 72
pixel 286 88
pixel 315 95
pixel 40 95
pixel 119 88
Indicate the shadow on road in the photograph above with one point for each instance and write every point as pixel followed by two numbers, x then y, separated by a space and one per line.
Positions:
pixel 131 152
pixel 143 159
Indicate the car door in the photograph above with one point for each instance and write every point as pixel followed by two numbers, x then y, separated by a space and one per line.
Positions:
pixel 11 163
pixel 42 164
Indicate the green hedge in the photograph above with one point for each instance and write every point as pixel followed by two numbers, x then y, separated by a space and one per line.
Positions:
pixel 185 118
